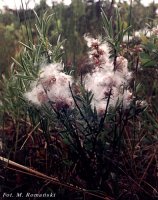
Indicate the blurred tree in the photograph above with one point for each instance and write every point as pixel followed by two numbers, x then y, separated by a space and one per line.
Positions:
pixel 71 22
pixel 8 18
pixel 140 15
pixel 8 45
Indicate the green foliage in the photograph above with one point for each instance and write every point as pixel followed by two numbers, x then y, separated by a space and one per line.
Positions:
pixel 115 31
pixel 9 36
pixel 26 68
pixel 114 154
pixel 139 14
pixel 149 55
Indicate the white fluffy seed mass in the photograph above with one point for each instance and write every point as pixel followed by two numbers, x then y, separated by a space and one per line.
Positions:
pixel 52 85
pixel 107 81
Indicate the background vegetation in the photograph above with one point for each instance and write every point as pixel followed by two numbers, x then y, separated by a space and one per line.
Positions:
pixel 119 156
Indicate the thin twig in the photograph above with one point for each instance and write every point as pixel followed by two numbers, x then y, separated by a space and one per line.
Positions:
pixel 29 134
pixel 89 126
pixel 24 169
pixel 105 113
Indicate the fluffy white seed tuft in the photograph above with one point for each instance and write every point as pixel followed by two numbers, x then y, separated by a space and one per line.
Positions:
pixel 52 85
pixel 107 81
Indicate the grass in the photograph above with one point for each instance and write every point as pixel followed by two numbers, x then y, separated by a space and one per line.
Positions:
pixel 77 154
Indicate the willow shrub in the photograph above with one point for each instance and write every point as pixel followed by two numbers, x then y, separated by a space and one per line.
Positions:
pixel 87 131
